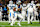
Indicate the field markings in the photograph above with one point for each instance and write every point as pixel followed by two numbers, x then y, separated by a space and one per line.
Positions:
pixel 21 23
pixel 17 21
pixel 20 26
pixel 7 25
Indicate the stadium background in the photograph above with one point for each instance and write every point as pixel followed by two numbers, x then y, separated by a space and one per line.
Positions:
pixel 4 23
pixel 4 3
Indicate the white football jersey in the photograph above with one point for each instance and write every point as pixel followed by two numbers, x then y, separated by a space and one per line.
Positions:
pixel 11 6
pixel 23 9
pixel 31 7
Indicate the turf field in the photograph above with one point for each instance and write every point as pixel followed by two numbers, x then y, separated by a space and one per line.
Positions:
pixel 24 24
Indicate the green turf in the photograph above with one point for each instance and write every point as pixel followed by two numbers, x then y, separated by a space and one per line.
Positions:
pixel 24 24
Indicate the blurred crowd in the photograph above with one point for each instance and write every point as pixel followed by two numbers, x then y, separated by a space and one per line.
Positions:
pixel 4 3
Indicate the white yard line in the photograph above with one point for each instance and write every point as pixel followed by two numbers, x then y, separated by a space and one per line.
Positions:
pixel 17 25
pixel 17 21
pixel 7 25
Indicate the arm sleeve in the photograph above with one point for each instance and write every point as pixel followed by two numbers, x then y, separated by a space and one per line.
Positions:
pixel 16 8
pixel 27 6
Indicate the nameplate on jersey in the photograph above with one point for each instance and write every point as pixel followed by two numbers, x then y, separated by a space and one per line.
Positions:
pixel 11 7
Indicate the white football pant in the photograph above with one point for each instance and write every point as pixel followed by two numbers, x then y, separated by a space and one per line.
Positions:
pixel 10 16
pixel 35 14
pixel 23 14
pixel 29 13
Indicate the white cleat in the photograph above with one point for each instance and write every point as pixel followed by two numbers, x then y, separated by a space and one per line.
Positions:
pixel 11 24
pixel 19 24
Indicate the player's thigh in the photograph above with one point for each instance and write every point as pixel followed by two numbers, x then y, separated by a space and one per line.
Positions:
pixel 11 13
pixel 15 15
pixel 32 14
pixel 24 14
pixel 20 16
pixel 0 13
pixel 29 14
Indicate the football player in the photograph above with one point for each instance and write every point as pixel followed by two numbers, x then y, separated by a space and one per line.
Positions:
pixel 31 8
pixel 10 8
pixel 19 9
pixel 24 11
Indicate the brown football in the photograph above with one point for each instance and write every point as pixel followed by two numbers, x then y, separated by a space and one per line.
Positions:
pixel 14 9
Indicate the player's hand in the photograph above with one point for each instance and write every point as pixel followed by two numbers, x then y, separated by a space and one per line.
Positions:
pixel 14 9
pixel 18 9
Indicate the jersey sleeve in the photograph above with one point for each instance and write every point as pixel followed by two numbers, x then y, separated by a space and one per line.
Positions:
pixel 8 5
pixel 27 6
pixel 16 8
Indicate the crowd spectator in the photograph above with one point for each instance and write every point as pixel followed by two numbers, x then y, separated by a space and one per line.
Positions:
pixel 36 1
pixel 4 12
pixel 7 1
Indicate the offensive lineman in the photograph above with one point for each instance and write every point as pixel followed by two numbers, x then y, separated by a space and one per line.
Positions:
pixel 10 7
pixel 31 8
pixel 24 11
pixel 18 8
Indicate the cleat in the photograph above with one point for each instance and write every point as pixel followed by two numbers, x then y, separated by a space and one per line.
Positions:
pixel 18 24
pixel 31 22
pixel 39 22
pixel 11 24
